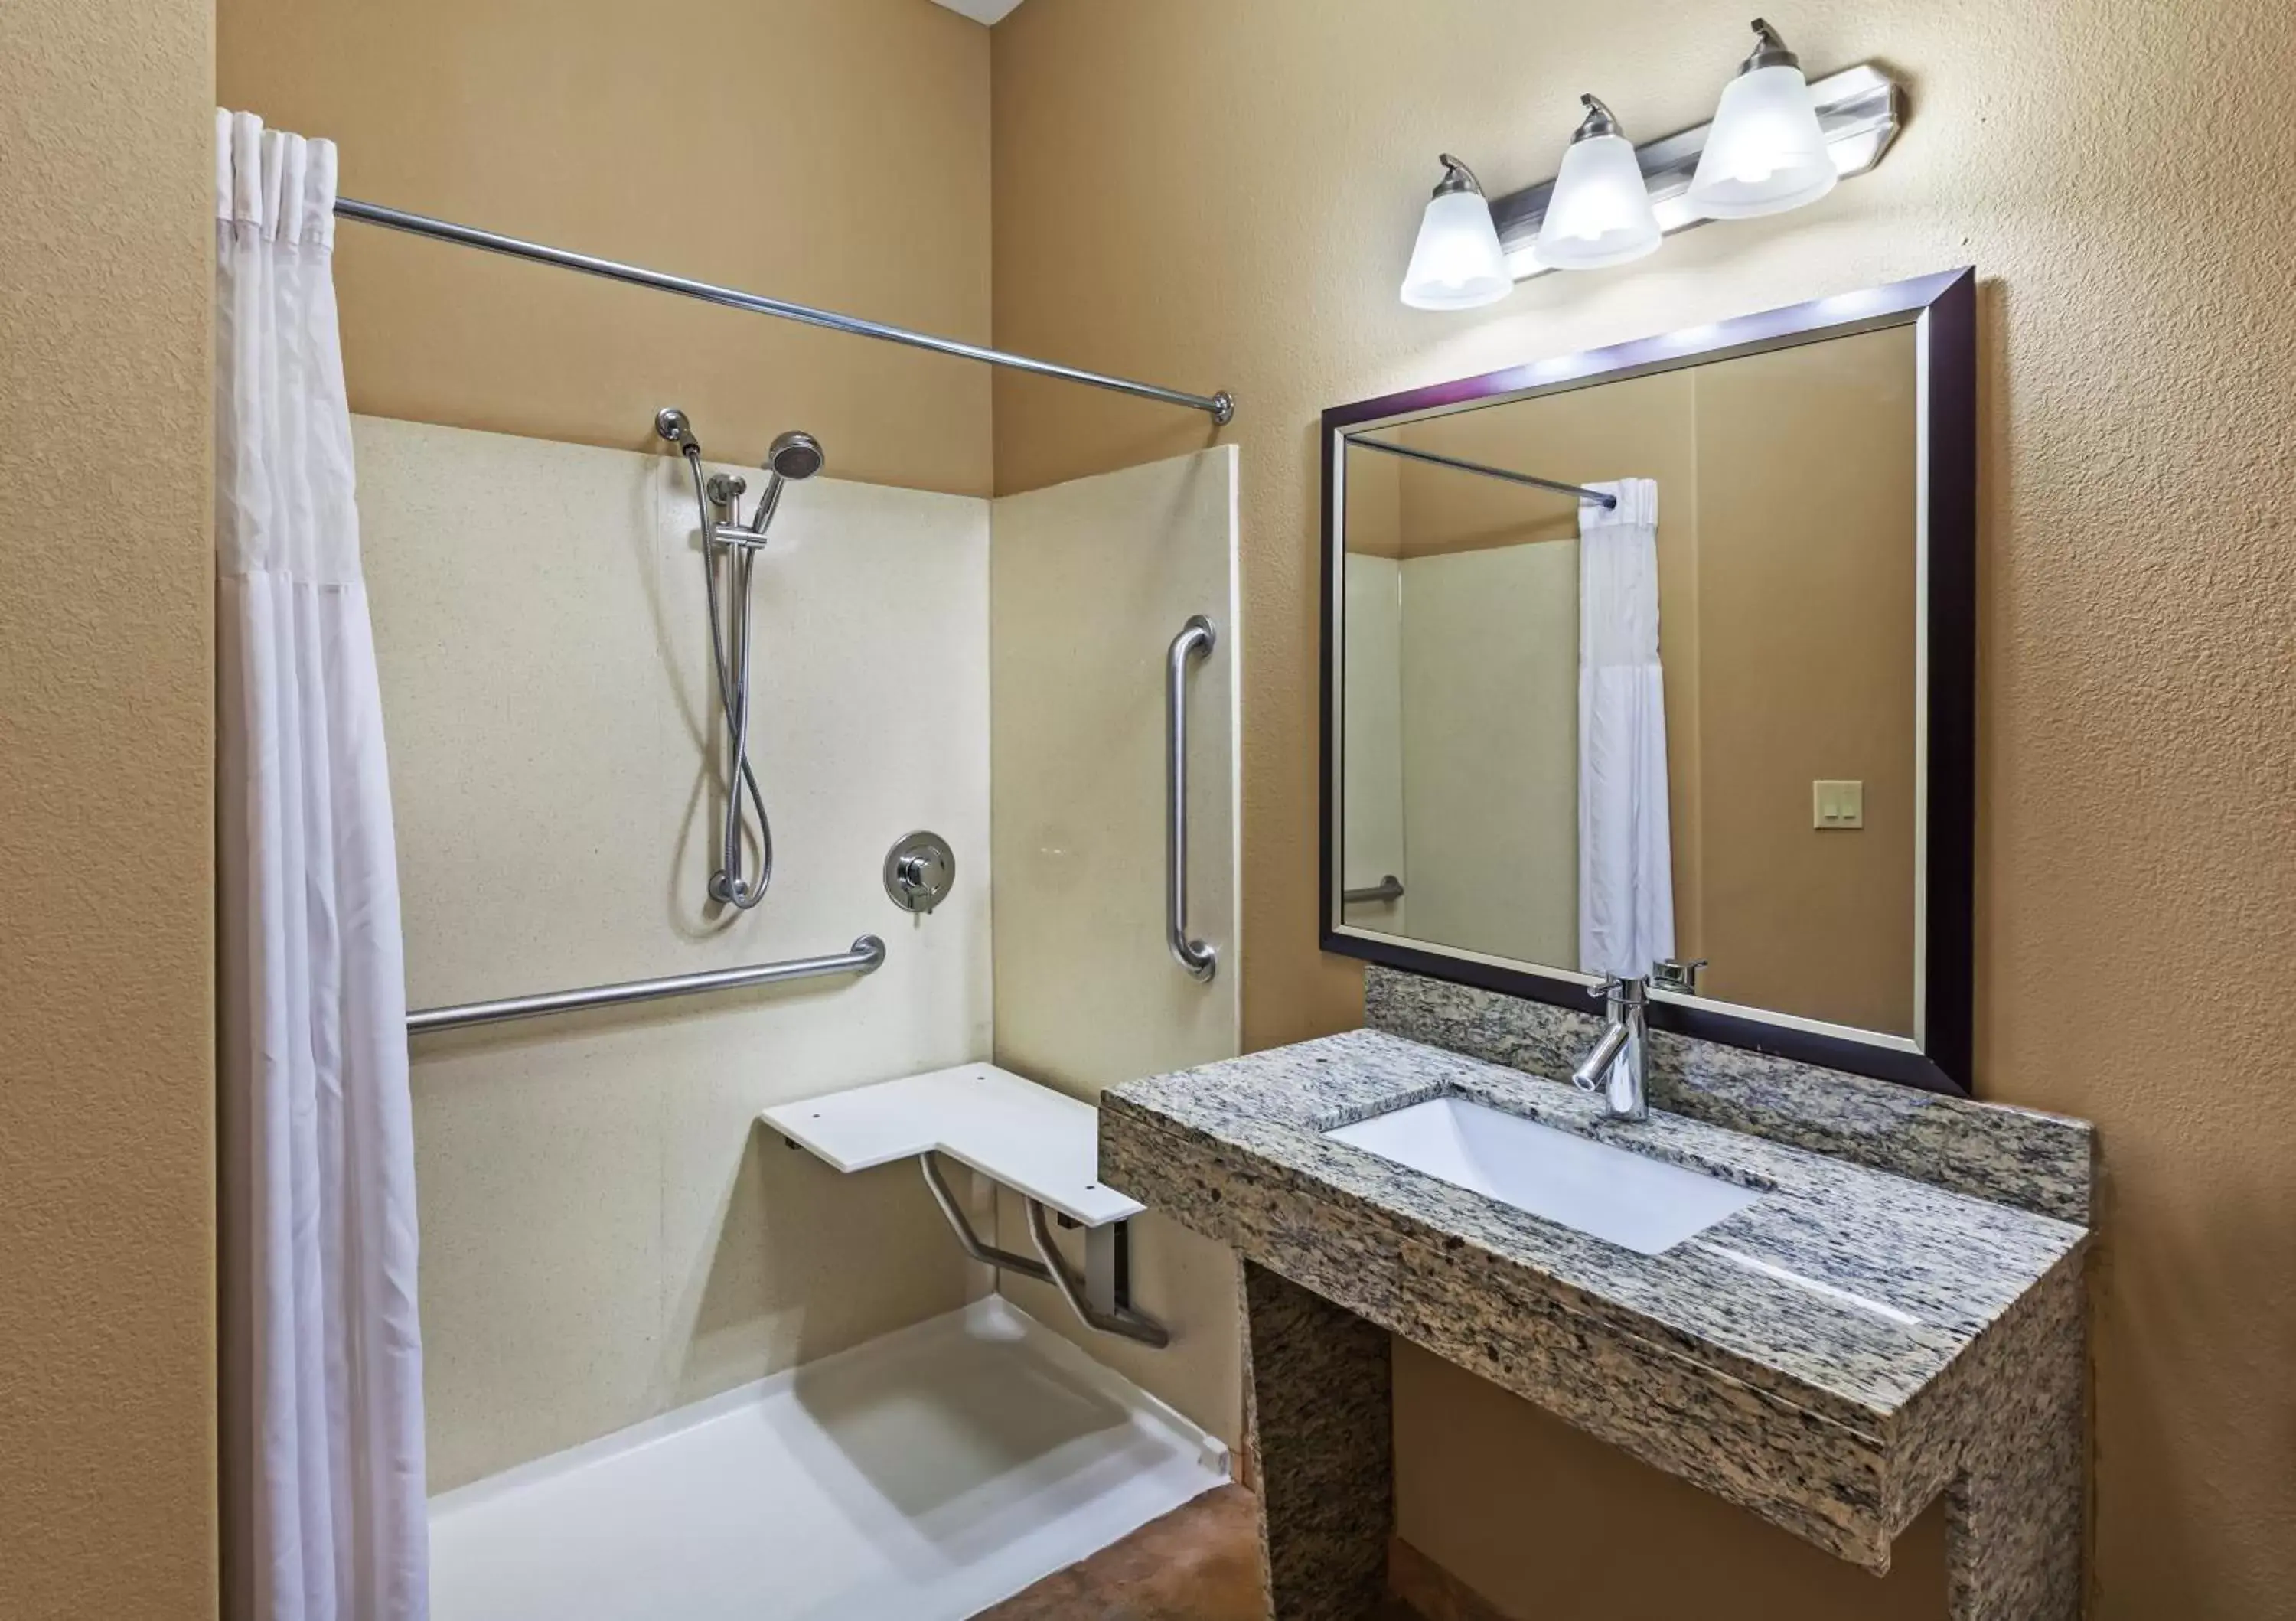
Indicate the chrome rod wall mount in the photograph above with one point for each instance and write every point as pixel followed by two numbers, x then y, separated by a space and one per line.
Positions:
pixel 1220 406
pixel 1388 888
pixel 867 953
pixel 1195 641
pixel 1600 497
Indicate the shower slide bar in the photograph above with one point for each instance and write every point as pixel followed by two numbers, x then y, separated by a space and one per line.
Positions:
pixel 1220 406
pixel 866 956
pixel 1599 498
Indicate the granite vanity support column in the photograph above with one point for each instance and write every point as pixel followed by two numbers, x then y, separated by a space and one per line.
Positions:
pixel 1322 1437
pixel 2017 1514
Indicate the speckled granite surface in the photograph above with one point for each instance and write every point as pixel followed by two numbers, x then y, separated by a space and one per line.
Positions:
pixel 2040 1162
pixel 1831 1356
pixel 1323 1404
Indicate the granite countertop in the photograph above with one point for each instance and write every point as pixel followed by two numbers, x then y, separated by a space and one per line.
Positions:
pixel 1843 1290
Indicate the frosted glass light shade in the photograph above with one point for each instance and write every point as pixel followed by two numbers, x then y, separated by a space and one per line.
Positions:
pixel 1765 154
pixel 1457 263
pixel 1600 210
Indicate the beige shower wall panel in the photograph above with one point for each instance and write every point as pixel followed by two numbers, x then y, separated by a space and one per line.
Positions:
pixel 1372 831
pixel 1489 682
pixel 606 1235
pixel 1090 583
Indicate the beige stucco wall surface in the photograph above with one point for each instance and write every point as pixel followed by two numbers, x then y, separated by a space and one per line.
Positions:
pixel 1807 576
pixel 834 155
pixel 107 1069
pixel 1220 195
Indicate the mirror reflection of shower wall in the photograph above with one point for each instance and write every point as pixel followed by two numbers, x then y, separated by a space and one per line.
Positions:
pixel 1787 621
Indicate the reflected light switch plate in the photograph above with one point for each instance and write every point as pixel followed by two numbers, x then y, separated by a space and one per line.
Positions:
pixel 1837 803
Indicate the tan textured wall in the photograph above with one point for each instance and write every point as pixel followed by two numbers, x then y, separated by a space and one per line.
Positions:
pixel 1806 581
pixel 1684 1552
pixel 1213 194
pixel 107 1069
pixel 1643 427
pixel 1374 503
pixel 835 155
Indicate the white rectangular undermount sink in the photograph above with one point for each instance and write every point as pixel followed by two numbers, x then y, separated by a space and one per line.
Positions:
pixel 1630 1200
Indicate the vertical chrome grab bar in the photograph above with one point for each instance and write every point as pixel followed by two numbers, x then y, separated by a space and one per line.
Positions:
pixel 1194 642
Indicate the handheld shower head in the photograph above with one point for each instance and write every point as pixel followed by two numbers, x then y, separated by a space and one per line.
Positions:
pixel 792 456
pixel 795 455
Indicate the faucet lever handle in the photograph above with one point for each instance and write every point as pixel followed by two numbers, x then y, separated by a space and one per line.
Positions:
pixel 1674 974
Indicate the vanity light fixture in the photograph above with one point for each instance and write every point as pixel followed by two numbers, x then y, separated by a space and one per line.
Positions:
pixel 1601 211
pixel 1765 152
pixel 1457 263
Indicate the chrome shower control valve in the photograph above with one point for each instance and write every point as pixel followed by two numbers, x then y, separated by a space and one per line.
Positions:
pixel 919 870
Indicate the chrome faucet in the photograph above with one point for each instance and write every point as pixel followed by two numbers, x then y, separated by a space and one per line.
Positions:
pixel 1617 1068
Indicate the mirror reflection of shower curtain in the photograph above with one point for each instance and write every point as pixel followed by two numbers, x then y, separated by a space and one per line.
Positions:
pixel 1626 866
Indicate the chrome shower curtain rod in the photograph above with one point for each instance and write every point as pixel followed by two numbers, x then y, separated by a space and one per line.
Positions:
pixel 1556 485
pixel 1220 406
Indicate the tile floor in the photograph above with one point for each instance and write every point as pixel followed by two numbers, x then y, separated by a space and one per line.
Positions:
pixel 1200 1562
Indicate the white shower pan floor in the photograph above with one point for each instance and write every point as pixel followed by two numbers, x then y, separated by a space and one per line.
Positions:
pixel 920 1477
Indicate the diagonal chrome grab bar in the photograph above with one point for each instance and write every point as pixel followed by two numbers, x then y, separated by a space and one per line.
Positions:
pixel 867 953
pixel 1195 641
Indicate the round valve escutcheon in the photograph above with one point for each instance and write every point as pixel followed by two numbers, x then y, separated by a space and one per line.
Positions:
pixel 919 870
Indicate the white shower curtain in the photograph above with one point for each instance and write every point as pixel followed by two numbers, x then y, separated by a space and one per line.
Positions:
pixel 322 1360
pixel 1626 864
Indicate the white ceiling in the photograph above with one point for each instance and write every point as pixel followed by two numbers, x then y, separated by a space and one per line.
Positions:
pixel 991 11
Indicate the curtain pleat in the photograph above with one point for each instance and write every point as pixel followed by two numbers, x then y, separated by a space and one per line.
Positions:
pixel 1626 862
pixel 324 1517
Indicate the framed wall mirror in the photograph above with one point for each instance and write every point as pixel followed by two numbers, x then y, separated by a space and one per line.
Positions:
pixel 1659 660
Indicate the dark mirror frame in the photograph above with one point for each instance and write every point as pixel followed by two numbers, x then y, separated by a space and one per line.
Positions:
pixel 1943 309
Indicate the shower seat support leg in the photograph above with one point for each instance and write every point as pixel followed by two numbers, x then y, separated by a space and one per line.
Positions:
pixel 1102 1298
